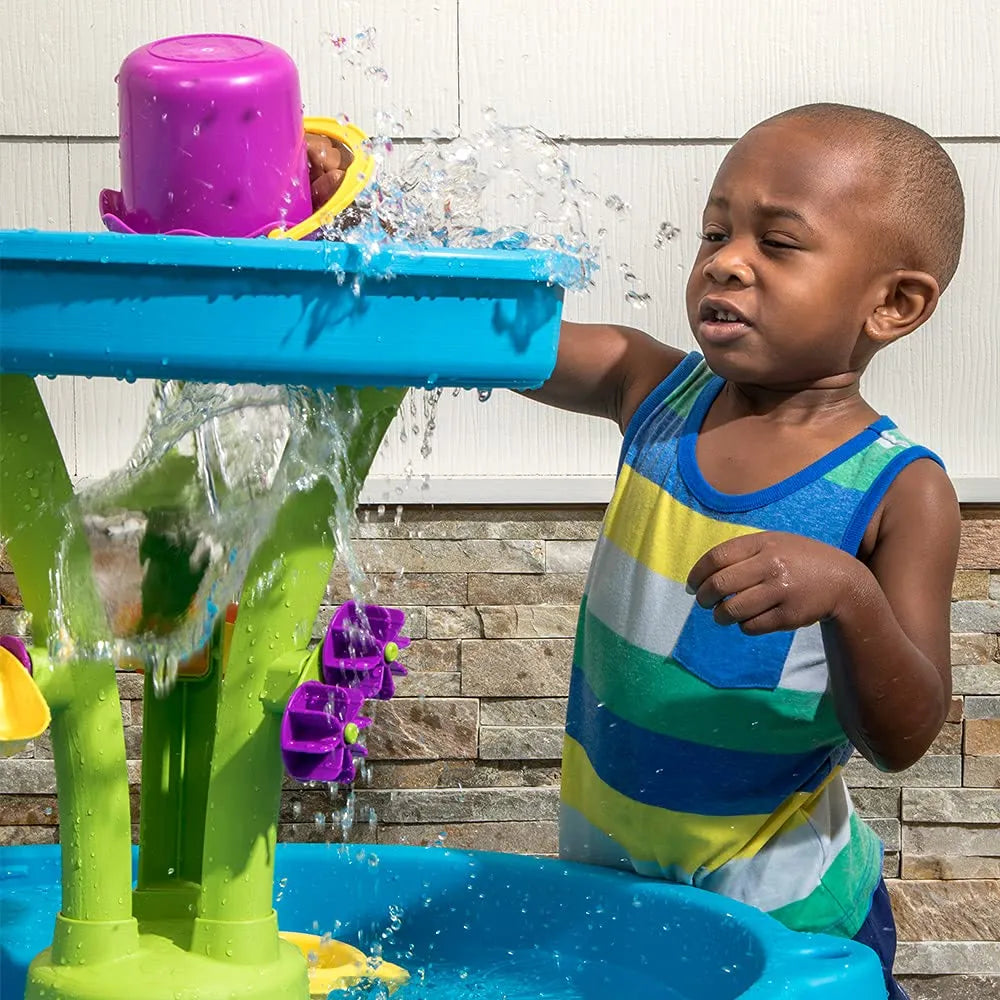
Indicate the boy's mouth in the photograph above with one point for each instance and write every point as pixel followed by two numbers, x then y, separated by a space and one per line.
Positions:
pixel 720 321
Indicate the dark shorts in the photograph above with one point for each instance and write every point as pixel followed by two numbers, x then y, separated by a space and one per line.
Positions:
pixel 879 933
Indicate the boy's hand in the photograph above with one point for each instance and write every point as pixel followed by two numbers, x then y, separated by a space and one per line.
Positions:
pixel 328 161
pixel 773 581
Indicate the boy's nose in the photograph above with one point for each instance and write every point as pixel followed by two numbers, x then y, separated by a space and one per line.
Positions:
pixel 728 264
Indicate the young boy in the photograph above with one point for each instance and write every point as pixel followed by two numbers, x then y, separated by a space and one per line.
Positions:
pixel 772 582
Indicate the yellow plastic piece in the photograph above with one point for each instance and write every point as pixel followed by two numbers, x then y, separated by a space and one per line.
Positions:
pixel 356 178
pixel 334 965
pixel 24 714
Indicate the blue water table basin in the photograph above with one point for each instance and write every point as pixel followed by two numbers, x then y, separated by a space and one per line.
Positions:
pixel 490 926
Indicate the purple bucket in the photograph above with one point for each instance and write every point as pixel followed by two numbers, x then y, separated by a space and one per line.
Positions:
pixel 212 139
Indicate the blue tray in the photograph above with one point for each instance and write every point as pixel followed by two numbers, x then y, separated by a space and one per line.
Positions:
pixel 214 310
pixel 535 925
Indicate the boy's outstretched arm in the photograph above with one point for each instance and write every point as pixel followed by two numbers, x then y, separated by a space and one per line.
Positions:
pixel 605 370
pixel 885 620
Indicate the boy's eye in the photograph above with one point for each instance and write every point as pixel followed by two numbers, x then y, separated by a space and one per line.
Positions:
pixel 711 237
pixel 779 244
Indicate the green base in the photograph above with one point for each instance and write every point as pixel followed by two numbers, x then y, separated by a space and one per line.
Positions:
pixel 161 970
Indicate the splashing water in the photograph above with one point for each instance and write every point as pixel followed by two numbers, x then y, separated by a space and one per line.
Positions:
pixel 172 534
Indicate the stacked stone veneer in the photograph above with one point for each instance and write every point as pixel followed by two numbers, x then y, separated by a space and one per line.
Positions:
pixel 469 751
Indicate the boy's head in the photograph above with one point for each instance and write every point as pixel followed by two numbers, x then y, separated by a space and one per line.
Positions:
pixel 830 231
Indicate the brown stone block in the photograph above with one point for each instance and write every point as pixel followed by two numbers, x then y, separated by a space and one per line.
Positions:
pixel 424 728
pixel 971 585
pixel 516 667
pixel 980 543
pixel 18 836
pixel 936 866
pixel 982 737
pixel 949 740
pixel 946 910
pixel 29 810
pixel 429 684
pixel 463 774
pixel 951 805
pixel 529 590
pixel 957 710
pixel 9 591
pixel 951 987
pixel 510 838
pixel 972 648
pixel 403 590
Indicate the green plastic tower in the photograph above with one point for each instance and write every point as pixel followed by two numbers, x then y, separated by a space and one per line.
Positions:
pixel 199 924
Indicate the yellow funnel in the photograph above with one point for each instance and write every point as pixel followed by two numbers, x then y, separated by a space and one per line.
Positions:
pixel 334 965
pixel 23 711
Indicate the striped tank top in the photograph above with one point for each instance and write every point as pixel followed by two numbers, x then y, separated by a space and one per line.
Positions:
pixel 695 753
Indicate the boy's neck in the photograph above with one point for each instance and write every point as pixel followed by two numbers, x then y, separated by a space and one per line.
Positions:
pixel 830 398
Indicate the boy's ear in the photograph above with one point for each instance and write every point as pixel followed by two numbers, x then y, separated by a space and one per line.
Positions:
pixel 909 300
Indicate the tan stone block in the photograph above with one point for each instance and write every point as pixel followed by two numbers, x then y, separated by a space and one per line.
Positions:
pixel 972 648
pixel 516 667
pixel 429 684
pixel 982 737
pixel 453 623
pixel 547 588
pixel 28 810
pixel 18 836
pixel 949 740
pixel 568 557
pixel 5 564
pixel 497 621
pixel 933 866
pixel 994 587
pixel 946 910
pixel 929 772
pixel 876 803
pixel 522 712
pixel 952 839
pixel 408 589
pixel 888 831
pixel 463 774
pixel 520 743
pixel 421 521
pixel 461 805
pixel 957 710
pixel 951 987
pixel 981 679
pixel 971 585
pixel 929 958
pixel 13 621
pixel 509 555
pixel 980 543
pixel 129 686
pixel 424 729
pixel 510 838
pixel 981 772
pixel 431 655
pixel 414 627
pixel 890 864
pixel 9 591
pixel 547 621
pixel 951 805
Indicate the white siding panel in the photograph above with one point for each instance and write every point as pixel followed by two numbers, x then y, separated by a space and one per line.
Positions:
pixel 60 59
pixel 706 69
pixel 35 178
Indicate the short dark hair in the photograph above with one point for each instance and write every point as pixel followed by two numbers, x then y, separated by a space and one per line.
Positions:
pixel 923 189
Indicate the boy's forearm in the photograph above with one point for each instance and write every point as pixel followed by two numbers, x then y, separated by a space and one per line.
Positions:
pixel 890 697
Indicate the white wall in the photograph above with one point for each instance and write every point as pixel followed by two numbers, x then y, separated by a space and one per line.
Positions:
pixel 644 94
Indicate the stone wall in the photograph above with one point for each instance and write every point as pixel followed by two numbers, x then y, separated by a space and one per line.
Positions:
pixel 469 751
